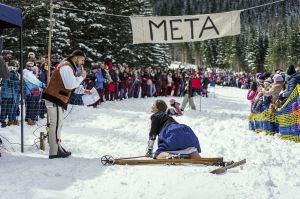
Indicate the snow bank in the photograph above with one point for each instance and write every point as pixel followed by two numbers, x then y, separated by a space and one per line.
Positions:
pixel 121 129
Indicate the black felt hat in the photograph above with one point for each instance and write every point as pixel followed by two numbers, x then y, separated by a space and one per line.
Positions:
pixel 77 53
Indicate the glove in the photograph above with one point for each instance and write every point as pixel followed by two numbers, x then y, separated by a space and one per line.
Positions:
pixel 150 144
pixel 150 148
pixel 149 153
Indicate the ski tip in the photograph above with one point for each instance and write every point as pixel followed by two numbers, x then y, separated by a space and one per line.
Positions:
pixel 223 169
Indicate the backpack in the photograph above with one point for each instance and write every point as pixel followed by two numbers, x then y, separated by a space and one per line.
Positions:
pixel 36 91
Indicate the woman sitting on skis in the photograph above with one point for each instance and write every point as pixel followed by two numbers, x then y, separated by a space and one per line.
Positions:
pixel 173 138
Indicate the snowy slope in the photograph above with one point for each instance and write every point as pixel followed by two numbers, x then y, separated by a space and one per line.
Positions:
pixel 121 129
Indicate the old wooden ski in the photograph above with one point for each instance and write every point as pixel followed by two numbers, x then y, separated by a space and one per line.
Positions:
pixel 109 160
pixel 223 169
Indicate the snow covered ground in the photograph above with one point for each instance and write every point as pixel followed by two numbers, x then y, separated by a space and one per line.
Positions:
pixel 121 129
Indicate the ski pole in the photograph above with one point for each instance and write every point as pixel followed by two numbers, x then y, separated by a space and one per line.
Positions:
pixel 143 156
pixel 108 159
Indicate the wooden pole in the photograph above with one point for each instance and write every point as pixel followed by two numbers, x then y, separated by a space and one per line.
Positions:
pixel 22 89
pixel 49 40
pixel 49 49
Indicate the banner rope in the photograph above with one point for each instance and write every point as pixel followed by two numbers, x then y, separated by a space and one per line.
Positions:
pixel 115 15
pixel 251 8
pixel 93 12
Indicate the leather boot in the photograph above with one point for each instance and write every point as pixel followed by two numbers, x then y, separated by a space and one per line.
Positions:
pixel 60 154
pixel 64 150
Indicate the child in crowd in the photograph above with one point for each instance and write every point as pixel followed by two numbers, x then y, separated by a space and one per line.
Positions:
pixel 252 93
pixel 175 108
pixel 263 102
pixel 274 91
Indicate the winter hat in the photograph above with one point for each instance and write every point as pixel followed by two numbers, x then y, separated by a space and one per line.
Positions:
pixel 14 63
pixel 6 52
pixel 291 70
pixel 172 101
pixel 258 75
pixel 7 55
pixel 30 64
pixel 268 80
pixel 31 55
pixel 277 78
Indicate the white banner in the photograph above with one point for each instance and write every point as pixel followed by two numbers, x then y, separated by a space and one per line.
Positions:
pixel 190 28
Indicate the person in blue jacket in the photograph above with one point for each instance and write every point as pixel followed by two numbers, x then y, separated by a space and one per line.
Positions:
pixel 100 82
pixel 10 96
pixel 293 80
pixel 173 138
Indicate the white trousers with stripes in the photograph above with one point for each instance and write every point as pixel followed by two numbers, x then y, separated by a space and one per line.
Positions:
pixel 56 118
pixel 189 100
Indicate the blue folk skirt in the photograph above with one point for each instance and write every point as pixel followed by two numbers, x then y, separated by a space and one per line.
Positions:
pixel 176 137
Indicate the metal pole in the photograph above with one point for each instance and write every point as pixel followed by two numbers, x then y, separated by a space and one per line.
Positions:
pixel 200 99
pixel 200 92
pixel 49 47
pixel 1 43
pixel 22 90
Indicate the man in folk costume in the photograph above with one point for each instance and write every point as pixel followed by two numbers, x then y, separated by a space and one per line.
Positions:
pixel 62 84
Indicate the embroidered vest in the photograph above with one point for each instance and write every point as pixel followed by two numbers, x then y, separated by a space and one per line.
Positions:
pixel 56 91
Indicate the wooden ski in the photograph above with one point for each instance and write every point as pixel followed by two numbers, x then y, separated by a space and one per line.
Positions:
pixel 229 166
pixel 106 160
pixel 205 161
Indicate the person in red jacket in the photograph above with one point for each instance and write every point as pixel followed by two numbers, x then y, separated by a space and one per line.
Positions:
pixel 196 83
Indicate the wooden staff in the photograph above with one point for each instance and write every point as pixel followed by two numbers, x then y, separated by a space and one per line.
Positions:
pixel 49 40
pixel 49 53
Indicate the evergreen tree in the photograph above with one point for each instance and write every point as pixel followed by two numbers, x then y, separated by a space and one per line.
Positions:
pixel 269 38
pixel 251 49
pixel 102 37
pixel 294 46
